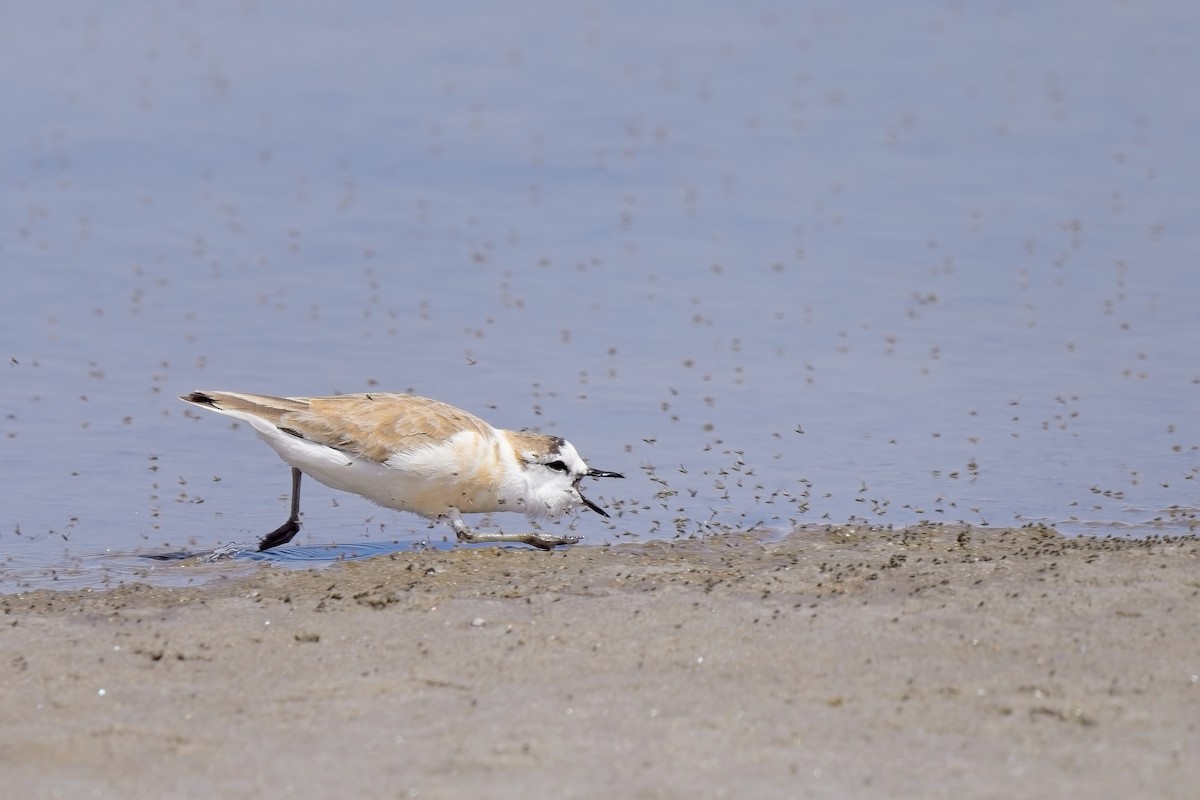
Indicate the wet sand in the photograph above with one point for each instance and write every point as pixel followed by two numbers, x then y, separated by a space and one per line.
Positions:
pixel 935 662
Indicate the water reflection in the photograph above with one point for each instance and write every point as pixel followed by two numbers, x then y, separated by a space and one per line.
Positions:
pixel 777 264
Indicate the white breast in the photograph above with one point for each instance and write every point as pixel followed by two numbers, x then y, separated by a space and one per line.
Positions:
pixel 463 472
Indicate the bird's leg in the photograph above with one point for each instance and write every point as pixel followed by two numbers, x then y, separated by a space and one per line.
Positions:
pixel 543 541
pixel 284 533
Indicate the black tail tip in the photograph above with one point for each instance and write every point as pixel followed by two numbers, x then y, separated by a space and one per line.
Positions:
pixel 200 398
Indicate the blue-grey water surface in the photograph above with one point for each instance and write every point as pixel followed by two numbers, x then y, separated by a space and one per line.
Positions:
pixel 780 263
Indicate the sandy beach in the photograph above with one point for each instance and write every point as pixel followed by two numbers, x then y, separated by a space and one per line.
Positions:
pixel 933 662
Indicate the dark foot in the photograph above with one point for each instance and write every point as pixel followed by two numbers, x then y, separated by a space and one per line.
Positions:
pixel 546 542
pixel 281 535
pixel 542 541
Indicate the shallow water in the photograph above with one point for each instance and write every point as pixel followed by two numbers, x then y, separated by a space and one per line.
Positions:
pixel 778 265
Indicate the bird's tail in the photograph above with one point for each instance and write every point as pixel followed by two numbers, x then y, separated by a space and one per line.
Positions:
pixel 262 406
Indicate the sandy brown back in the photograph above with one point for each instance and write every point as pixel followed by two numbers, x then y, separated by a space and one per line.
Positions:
pixel 372 425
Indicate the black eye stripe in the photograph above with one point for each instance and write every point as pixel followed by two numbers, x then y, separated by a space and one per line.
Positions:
pixel 557 466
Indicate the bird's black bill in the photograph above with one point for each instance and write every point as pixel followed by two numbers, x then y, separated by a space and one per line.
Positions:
pixel 599 473
pixel 593 506
pixel 596 473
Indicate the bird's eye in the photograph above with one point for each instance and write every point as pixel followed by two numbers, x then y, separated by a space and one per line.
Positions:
pixel 557 466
